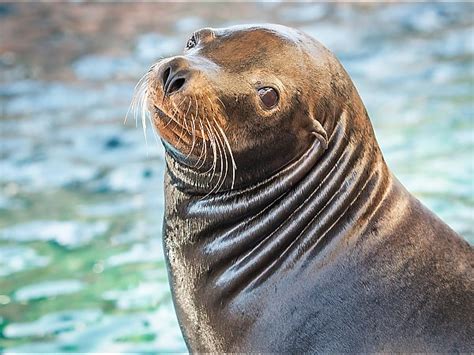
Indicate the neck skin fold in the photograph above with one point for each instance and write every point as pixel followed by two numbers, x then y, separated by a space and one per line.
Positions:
pixel 242 236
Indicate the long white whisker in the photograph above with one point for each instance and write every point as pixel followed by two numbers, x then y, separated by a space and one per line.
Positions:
pixel 182 131
pixel 141 97
pixel 178 109
pixel 227 144
pixel 203 139
pixel 203 153
pixel 219 151
pixel 217 97
pixel 214 150
pixel 223 162
pixel 225 165
pixel 136 90
pixel 155 135
pixel 193 131
pixel 144 112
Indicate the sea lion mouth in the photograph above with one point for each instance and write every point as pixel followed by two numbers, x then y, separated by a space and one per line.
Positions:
pixel 166 118
pixel 161 114
pixel 166 121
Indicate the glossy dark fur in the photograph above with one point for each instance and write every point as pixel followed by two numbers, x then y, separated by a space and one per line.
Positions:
pixel 317 247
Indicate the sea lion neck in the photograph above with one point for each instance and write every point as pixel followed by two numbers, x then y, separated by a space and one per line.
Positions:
pixel 241 239
pixel 207 186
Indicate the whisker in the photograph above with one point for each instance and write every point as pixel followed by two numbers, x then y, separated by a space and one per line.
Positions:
pixel 214 150
pixel 227 144
pixel 204 140
pixel 155 135
pixel 178 109
pixel 204 143
pixel 136 89
pixel 224 163
pixel 193 131
pixel 219 151
pixel 142 93
pixel 221 102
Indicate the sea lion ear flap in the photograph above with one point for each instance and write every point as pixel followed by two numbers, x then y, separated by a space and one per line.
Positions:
pixel 319 131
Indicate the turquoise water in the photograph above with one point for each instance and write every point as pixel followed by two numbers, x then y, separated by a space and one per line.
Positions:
pixel 81 203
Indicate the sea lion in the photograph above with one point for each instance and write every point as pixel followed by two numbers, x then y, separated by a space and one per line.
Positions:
pixel 284 229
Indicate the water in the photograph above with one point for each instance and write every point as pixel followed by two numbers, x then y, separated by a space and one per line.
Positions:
pixel 81 203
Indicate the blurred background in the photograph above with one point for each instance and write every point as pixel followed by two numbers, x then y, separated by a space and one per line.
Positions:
pixel 81 202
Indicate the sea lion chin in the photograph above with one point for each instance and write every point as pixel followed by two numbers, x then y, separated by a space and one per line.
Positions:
pixel 284 229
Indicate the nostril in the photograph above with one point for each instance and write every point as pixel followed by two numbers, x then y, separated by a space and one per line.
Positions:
pixel 166 75
pixel 173 77
pixel 176 84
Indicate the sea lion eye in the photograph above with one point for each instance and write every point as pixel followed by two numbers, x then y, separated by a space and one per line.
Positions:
pixel 269 96
pixel 191 42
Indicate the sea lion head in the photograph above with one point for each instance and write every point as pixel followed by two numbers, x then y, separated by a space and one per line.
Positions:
pixel 242 102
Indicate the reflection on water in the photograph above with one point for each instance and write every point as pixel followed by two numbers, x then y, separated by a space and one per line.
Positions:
pixel 81 262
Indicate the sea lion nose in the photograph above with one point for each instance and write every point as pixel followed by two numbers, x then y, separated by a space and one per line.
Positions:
pixel 174 76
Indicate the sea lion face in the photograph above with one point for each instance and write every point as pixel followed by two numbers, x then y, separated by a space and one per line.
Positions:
pixel 241 102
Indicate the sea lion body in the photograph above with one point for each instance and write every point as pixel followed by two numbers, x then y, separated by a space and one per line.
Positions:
pixel 312 244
